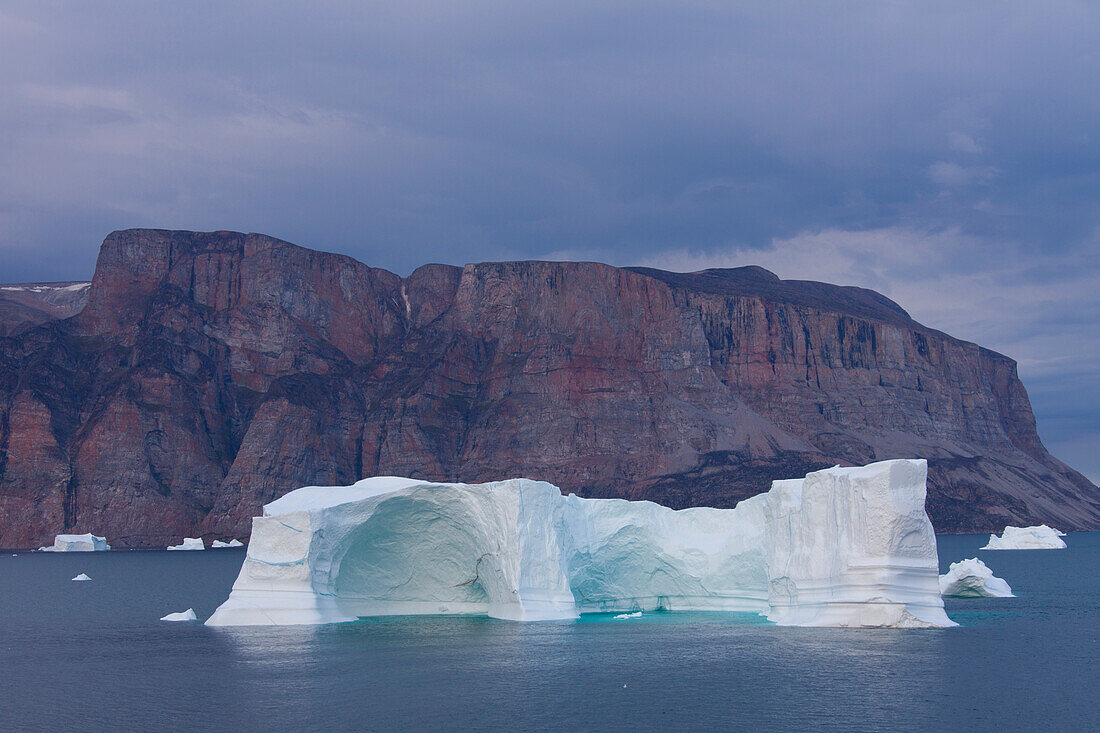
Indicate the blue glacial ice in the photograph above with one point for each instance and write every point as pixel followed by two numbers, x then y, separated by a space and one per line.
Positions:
pixel 973 579
pixel 841 547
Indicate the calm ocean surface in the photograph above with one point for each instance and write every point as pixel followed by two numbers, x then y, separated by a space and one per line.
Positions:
pixel 94 656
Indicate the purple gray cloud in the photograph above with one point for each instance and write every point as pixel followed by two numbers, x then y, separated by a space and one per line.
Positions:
pixel 944 153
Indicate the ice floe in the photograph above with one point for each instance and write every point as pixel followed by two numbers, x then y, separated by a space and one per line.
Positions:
pixel 841 547
pixel 973 579
pixel 188 615
pixel 82 576
pixel 189 543
pixel 1041 537
pixel 218 544
pixel 77 543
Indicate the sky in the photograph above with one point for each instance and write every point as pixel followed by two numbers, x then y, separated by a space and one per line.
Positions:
pixel 946 154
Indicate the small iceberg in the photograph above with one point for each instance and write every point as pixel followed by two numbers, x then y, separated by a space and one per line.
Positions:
pixel 189 543
pixel 188 615
pixel 1041 537
pixel 77 543
pixel 218 544
pixel 636 614
pixel 973 579
pixel 82 576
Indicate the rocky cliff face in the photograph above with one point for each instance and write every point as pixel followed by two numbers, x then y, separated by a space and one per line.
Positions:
pixel 211 373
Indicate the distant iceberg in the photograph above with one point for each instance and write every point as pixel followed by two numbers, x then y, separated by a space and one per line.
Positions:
pixel 1041 537
pixel 189 543
pixel 188 615
pixel 636 614
pixel 973 579
pixel 218 544
pixel 82 576
pixel 841 547
pixel 77 543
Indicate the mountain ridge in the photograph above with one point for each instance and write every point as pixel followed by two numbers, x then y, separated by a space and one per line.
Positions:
pixel 212 372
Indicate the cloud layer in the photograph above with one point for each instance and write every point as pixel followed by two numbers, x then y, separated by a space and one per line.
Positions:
pixel 943 153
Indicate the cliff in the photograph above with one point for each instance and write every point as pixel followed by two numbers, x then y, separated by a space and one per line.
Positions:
pixel 210 373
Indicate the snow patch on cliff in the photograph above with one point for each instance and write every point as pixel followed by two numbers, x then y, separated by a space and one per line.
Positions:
pixel 1041 537
pixel 973 579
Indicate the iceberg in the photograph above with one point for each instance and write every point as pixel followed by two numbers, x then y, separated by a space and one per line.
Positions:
pixel 636 614
pixel 189 543
pixel 82 576
pixel 218 544
pixel 77 543
pixel 1041 537
pixel 188 615
pixel 973 579
pixel 840 547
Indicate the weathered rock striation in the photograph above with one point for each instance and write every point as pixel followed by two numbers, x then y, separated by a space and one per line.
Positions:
pixel 211 373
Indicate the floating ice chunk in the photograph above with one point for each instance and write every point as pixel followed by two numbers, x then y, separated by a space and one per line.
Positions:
pixel 189 543
pixel 636 614
pixel 842 547
pixel 972 579
pixel 218 544
pixel 1041 537
pixel 77 543
pixel 188 615
pixel 82 576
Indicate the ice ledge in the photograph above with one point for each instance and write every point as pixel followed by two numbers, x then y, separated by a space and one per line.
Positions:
pixel 841 547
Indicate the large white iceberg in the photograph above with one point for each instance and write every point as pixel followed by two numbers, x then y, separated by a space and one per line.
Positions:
pixel 1041 537
pixel 189 543
pixel 973 579
pixel 77 543
pixel 842 547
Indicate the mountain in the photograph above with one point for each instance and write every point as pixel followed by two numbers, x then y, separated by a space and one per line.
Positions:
pixel 30 304
pixel 210 373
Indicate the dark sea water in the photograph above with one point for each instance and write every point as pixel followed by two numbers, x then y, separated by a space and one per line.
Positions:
pixel 93 656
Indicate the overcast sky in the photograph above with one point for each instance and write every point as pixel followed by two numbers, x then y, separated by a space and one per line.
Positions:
pixel 946 154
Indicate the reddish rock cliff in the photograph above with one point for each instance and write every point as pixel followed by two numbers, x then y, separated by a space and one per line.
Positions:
pixel 210 373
